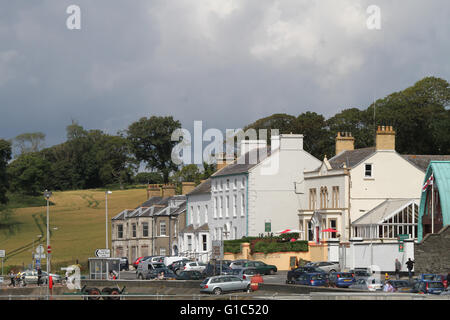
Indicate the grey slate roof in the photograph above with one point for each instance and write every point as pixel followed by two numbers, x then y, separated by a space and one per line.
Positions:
pixel 150 202
pixel 351 157
pixel 121 215
pixel 242 164
pixel 422 161
pixel 190 228
pixel 202 188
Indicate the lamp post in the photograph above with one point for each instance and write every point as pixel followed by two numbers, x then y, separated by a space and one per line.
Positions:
pixel 47 195
pixel 106 214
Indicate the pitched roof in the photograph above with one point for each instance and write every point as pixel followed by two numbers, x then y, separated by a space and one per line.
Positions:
pixel 202 188
pixel 191 229
pixel 351 158
pixel 383 211
pixel 121 215
pixel 244 163
pixel 422 161
pixel 150 202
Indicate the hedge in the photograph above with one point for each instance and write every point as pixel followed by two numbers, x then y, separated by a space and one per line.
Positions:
pixel 266 245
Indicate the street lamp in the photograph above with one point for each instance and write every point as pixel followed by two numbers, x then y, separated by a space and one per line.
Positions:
pixel 106 213
pixel 47 195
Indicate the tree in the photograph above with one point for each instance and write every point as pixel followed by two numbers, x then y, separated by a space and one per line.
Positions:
pixel 29 174
pixel 150 141
pixel 5 156
pixel 317 139
pixel 29 142
pixel 148 178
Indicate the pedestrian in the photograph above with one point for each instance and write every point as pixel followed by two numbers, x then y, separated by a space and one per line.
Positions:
pixel 388 287
pixel 398 267
pixel 410 266
pixel 12 278
pixel 39 272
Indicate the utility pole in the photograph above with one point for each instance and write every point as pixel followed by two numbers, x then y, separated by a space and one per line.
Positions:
pixel 106 215
pixel 47 195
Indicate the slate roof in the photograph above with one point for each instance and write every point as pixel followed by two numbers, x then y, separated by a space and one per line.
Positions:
pixel 242 164
pixel 202 188
pixel 150 202
pixel 190 228
pixel 121 215
pixel 351 158
pixel 384 210
pixel 423 161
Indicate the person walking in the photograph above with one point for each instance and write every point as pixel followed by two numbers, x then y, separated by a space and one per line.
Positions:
pixel 12 277
pixel 39 272
pixel 410 266
pixel 398 267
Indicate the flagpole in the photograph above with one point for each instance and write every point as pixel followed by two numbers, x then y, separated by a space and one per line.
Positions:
pixel 432 206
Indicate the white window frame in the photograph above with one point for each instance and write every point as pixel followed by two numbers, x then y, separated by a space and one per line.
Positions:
pixel 227 206
pixel 161 224
pixel 234 205
pixel 206 213
pixel 215 207
pixel 242 205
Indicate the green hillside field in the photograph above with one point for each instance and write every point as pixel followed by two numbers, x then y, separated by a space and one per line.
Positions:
pixel 79 217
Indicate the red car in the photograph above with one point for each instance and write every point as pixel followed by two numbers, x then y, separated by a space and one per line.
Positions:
pixel 136 262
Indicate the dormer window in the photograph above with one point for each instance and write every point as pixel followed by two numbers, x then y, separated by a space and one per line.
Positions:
pixel 368 172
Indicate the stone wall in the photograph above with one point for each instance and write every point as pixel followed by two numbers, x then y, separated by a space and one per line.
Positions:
pixel 432 254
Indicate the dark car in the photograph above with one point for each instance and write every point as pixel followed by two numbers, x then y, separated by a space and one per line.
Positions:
pixel 155 274
pixel 428 287
pixel 190 275
pixel 341 279
pixel 177 266
pixel 124 265
pixel 212 270
pixel 261 267
pixel 312 279
pixel 295 273
pixel 401 285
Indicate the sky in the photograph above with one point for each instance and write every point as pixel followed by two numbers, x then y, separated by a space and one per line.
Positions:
pixel 225 62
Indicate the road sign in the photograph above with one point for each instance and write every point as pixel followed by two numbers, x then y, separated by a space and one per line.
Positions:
pixel 39 256
pixel 40 249
pixel 217 249
pixel 103 253
pixel 268 226
pixel 1 279
pixel 2 253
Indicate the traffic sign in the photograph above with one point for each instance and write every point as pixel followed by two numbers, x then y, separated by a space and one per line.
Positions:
pixel 217 249
pixel 39 256
pixel 2 253
pixel 103 253
pixel 40 249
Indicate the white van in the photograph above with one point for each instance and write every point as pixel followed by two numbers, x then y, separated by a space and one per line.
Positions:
pixel 169 260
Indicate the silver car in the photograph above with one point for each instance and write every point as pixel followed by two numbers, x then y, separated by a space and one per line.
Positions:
pixel 368 284
pixel 238 264
pixel 328 266
pixel 220 284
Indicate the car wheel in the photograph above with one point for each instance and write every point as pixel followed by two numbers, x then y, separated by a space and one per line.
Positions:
pixel 106 291
pixel 140 277
pixel 217 291
pixel 332 271
pixel 116 294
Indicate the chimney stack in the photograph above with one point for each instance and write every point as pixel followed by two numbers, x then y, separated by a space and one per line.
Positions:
pixel 187 187
pixel 167 190
pixel 153 190
pixel 344 142
pixel 223 160
pixel 385 139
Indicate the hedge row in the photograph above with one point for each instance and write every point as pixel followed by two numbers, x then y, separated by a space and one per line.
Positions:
pixel 266 245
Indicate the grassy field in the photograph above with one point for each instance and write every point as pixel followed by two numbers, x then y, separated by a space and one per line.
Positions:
pixel 80 219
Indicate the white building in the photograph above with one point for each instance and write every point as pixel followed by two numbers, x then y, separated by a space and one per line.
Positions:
pixel 370 193
pixel 260 189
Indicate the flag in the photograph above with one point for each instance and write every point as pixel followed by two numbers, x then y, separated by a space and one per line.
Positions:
pixel 429 182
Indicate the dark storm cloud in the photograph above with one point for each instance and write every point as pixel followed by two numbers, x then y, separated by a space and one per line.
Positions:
pixel 227 62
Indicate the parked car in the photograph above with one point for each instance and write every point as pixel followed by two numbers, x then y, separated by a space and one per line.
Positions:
pixel 312 279
pixel 367 284
pixel 153 259
pixel 428 287
pixel 328 266
pixel 213 270
pixel 341 279
pixel 145 267
pixel 261 267
pixel 401 285
pixel 361 273
pixel 295 273
pixel 136 262
pixel 245 273
pixel 238 264
pixel 220 284
pixel 189 275
pixel 155 274
pixel 31 277
pixel 177 266
pixel 124 265
pixel 429 277
pixel 197 266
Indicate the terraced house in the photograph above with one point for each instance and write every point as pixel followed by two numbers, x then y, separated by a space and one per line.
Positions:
pixel 151 228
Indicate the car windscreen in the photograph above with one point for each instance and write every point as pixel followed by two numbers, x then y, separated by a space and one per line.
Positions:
pixel 346 275
pixel 361 274
pixel 158 265
pixel 205 281
pixel 236 271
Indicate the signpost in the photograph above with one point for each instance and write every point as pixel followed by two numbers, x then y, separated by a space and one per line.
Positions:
pixel 267 226
pixel 217 249
pixel 401 238
pixel 103 253
pixel 2 255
